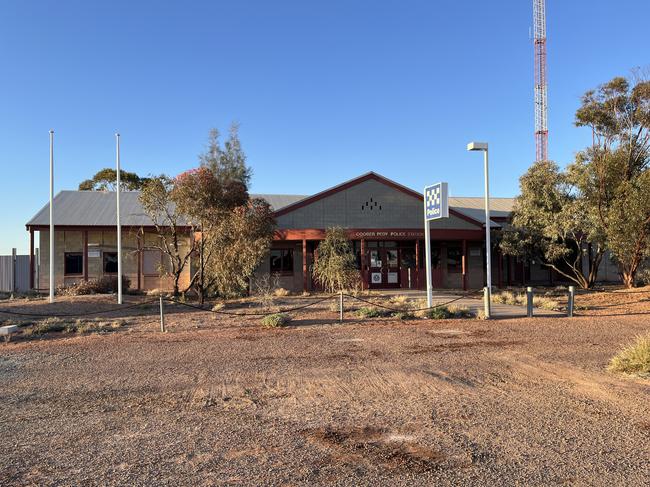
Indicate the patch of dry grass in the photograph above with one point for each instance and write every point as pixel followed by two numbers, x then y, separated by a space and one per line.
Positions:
pixel 52 325
pixel 519 299
pixel 633 359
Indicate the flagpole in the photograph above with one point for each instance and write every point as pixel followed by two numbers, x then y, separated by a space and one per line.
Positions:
pixel 51 264
pixel 119 227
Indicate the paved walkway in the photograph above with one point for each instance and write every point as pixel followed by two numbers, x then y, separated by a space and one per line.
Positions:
pixel 474 303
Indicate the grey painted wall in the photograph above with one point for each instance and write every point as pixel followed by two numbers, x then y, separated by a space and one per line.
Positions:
pixel 344 209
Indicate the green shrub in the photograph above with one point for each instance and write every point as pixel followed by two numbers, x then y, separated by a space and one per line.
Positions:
pixel 634 359
pixel 404 315
pixel 276 320
pixel 372 312
pixel 439 313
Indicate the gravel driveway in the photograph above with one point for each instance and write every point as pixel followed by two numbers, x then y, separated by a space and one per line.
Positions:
pixel 216 402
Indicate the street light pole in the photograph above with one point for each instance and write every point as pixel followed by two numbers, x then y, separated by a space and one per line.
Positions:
pixel 51 256
pixel 488 247
pixel 483 146
pixel 119 226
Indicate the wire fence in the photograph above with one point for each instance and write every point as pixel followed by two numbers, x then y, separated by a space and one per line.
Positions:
pixel 386 305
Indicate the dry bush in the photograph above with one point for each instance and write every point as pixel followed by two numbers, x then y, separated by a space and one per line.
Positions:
pixel 399 301
pixel 281 292
pixel 508 297
pixel 545 303
pixel 334 306
pixel 633 359
pixel 265 286
pixel 48 325
pixel 103 285
pixel 459 311
pixel 96 326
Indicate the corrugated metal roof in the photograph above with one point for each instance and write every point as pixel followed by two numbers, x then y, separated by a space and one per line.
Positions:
pixel 93 208
pixel 474 207
pixel 98 208
pixel 278 201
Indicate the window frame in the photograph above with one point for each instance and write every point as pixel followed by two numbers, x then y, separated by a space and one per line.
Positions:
pixel 104 253
pixel 282 271
pixel 157 273
pixel 65 266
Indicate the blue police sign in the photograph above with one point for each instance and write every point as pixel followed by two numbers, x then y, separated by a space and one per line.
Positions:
pixel 436 202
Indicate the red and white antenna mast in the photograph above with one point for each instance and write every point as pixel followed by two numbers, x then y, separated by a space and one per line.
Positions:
pixel 541 88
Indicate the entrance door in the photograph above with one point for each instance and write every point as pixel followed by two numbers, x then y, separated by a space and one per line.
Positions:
pixel 384 271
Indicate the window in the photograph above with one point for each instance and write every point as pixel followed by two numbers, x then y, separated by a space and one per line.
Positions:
pixel 454 259
pixel 151 262
pixel 408 257
pixel 282 261
pixel 110 262
pixel 74 263
pixel 435 256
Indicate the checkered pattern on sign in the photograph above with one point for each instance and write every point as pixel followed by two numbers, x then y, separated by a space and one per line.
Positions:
pixel 433 197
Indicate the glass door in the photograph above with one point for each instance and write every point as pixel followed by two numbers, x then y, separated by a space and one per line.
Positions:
pixel 375 269
pixel 391 269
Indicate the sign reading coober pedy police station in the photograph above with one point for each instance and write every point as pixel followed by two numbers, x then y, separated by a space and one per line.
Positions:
pixel 389 234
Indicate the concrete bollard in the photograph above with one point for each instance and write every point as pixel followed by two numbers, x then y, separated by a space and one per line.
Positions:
pixel 162 316
pixel 487 306
pixel 572 301
pixel 529 302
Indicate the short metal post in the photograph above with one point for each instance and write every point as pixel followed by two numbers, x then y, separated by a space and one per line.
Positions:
pixel 13 271
pixel 487 308
pixel 529 302
pixel 162 316
pixel 38 269
pixel 572 300
pixel 409 273
pixel 341 307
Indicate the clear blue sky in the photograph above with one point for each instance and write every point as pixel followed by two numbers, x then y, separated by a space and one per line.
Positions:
pixel 324 91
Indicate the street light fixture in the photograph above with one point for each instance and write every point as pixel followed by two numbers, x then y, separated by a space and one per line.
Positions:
pixel 483 146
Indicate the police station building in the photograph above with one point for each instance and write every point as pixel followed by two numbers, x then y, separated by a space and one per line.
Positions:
pixel 384 221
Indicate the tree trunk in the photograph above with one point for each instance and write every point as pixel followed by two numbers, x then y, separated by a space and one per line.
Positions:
pixel 628 278
pixel 176 288
pixel 594 264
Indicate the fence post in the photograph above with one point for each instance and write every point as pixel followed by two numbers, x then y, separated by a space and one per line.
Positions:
pixel 13 272
pixel 572 299
pixel 487 306
pixel 341 307
pixel 37 269
pixel 162 316
pixel 529 302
